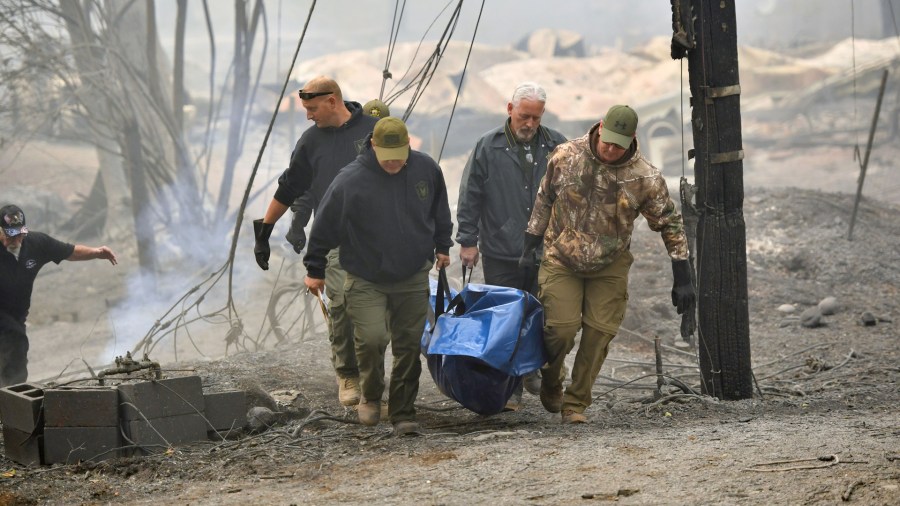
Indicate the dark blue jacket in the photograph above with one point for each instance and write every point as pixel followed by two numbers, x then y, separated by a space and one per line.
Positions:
pixel 496 193
pixel 387 226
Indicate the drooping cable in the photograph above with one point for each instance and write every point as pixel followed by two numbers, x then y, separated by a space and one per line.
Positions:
pixel 392 43
pixel 462 78
pixel 262 149
pixel 423 77
pixel 416 52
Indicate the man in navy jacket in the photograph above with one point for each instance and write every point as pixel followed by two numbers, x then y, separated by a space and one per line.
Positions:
pixel 388 212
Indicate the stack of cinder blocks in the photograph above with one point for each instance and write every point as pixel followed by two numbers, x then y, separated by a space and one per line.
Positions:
pixel 68 425
pixel 23 429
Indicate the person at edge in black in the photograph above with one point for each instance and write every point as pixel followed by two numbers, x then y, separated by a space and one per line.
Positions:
pixel 23 255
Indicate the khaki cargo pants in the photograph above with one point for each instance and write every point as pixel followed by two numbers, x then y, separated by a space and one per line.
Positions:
pixel 392 313
pixel 340 329
pixel 595 302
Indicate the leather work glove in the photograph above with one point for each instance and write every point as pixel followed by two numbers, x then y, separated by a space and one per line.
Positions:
pixel 529 256
pixel 683 297
pixel 296 235
pixel 262 231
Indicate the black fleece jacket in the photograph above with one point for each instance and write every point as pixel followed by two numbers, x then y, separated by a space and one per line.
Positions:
pixel 387 226
pixel 320 154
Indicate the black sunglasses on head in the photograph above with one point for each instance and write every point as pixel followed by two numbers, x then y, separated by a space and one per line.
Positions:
pixel 307 95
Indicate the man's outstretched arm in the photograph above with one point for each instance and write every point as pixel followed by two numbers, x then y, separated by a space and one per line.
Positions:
pixel 83 252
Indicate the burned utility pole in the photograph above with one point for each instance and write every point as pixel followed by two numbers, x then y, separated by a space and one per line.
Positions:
pixel 705 33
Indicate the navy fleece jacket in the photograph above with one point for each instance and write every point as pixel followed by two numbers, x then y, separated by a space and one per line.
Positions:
pixel 387 226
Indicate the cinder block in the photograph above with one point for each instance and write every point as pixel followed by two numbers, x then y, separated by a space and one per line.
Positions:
pixel 69 445
pixel 81 407
pixel 225 410
pixel 155 435
pixel 20 407
pixel 160 398
pixel 22 447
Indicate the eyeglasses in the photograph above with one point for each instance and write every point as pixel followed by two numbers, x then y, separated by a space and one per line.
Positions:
pixel 307 95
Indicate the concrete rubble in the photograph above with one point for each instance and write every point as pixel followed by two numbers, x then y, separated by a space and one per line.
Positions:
pixel 70 424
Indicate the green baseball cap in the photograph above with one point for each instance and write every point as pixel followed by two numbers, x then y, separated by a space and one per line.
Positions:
pixel 619 126
pixel 377 109
pixel 390 139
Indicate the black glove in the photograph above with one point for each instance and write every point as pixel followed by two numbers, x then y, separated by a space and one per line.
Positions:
pixel 262 231
pixel 683 297
pixel 529 256
pixel 296 235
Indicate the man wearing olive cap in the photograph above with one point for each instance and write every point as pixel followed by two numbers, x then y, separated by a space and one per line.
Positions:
pixel 594 190
pixel 22 256
pixel 377 109
pixel 388 212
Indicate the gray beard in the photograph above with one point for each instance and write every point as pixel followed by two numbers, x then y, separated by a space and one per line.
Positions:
pixel 14 250
pixel 521 138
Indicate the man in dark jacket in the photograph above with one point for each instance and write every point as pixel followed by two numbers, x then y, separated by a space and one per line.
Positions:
pixel 304 205
pixel 23 255
pixel 497 193
pixel 388 213
pixel 338 137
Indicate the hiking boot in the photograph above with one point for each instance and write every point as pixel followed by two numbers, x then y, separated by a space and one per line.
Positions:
pixel 570 416
pixel 348 391
pixel 384 409
pixel 369 412
pixel 407 428
pixel 532 382
pixel 551 397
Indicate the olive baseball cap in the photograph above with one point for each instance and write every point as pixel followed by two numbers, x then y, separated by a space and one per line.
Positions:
pixel 619 126
pixel 377 109
pixel 12 219
pixel 390 139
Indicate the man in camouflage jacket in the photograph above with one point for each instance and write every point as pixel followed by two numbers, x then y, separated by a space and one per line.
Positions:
pixel 593 191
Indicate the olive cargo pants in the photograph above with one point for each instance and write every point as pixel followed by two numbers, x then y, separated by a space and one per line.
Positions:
pixel 392 313
pixel 340 329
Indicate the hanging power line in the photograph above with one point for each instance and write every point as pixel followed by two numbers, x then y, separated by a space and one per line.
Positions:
pixel 423 77
pixel 392 43
pixel 462 78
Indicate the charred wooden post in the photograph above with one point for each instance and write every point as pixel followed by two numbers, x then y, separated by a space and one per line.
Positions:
pixel 705 32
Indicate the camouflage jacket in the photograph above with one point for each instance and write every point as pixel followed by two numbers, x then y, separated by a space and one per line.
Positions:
pixel 585 209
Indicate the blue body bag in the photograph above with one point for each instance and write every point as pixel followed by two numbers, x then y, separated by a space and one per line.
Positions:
pixel 479 349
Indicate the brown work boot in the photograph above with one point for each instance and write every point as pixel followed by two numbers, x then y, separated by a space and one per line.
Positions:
pixel 369 412
pixel 551 397
pixel 570 416
pixel 348 391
